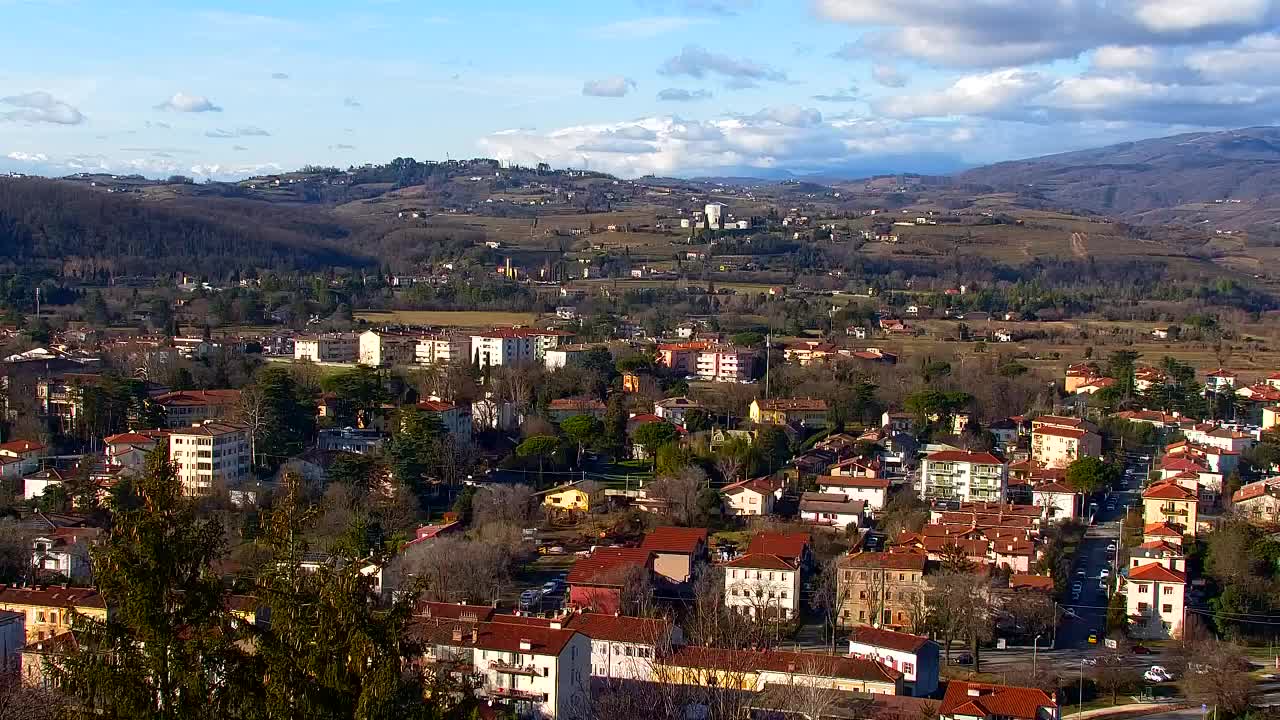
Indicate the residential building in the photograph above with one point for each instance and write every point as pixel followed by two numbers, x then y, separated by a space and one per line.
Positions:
pixel 964 476
pixel 725 363
pixel 1156 597
pixel 566 355
pixel 13 636
pixel 625 648
pixel 966 700
pixel 681 357
pixel 915 656
pixel 882 590
pixel 442 350
pixel 752 670
pixel 64 552
pixel 1215 436
pixel 1060 502
pixel 1273 380
pixel 674 409
pixel 762 586
pixel 27 453
pixel 1271 417
pixel 561 409
pixel 130 449
pixel 595 581
pixel 538 671
pixel 1220 381
pixel 379 348
pixel 677 552
pixel 185 408
pixel 836 510
pixel 754 497
pixel 796 547
pixel 513 346
pixel 1167 502
pixel 1056 442
pixel 34 485
pixel 210 455
pixel 327 348
pixel 351 440
pixel 455 418
pixel 576 497
pixel 1259 501
pixel 804 412
pixel 871 490
pixel 48 610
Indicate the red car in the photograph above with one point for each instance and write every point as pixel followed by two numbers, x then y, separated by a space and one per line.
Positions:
pixel 1141 650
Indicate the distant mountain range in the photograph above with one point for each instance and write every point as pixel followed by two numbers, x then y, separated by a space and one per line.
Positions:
pixel 1229 178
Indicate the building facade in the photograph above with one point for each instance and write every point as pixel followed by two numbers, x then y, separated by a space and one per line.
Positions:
pixel 882 590
pixel 964 476
pixel 210 455
pixel 328 348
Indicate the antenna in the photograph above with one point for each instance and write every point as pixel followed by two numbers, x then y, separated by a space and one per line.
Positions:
pixel 37 302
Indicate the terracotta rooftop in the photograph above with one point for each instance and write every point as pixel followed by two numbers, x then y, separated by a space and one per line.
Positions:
pixel 799 663
pixel 761 561
pixel 621 628
pixel 785 545
pixel 503 637
pixel 981 458
pixel 21 446
pixel 1168 491
pixel 1155 572
pixel 51 596
pixel 607 566
pixel 669 539
pixel 1160 529
pixel 199 397
pixel 882 560
pixel 1074 433
pixel 987 701
pixel 1018 581
pixel 878 637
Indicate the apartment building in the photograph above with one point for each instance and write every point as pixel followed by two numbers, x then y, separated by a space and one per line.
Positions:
pixel 455 418
pixel 210 455
pixel 1056 442
pixel 185 408
pixel 379 348
pixel 753 670
pixel 882 590
pixel 566 355
pixel 1169 503
pixel 681 357
pixel 964 476
pixel 622 647
pixel 915 656
pixel 805 412
pixel 725 363
pixel 442 349
pixel 1156 596
pixel 538 671
pixel 64 552
pixel 502 346
pixel 762 586
pixel 49 610
pixel 329 348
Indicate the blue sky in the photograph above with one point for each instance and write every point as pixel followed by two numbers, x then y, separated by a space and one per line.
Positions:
pixel 225 89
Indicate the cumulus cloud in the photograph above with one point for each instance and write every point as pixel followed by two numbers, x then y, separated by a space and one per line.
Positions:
pixel 612 86
pixel 682 95
pixel 245 131
pixel 350 102
pixel 965 33
pixel 27 157
pixel 182 102
pixel 888 75
pixel 1253 60
pixel 39 107
pixel 698 62
pixel 987 93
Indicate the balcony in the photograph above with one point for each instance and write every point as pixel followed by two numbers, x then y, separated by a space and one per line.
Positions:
pixel 1174 511
pixel 511 694
pixel 511 669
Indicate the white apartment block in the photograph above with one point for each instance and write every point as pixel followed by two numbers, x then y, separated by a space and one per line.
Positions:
pixel 964 476
pixel 725 364
pixel 622 647
pixel 384 349
pixel 332 347
pixel 1156 597
pixel 442 350
pixel 215 453
pixel 506 346
pixel 762 586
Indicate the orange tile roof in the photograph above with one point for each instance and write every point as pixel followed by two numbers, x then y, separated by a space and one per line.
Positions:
pixel 888 561
pixel 878 637
pixel 1160 529
pixel 51 596
pixel 981 458
pixel 22 446
pixel 621 628
pixel 669 539
pixel 986 700
pixel 812 664
pixel 607 566
pixel 1055 431
pixel 1034 582
pixel 761 561
pixel 1155 572
pixel 785 545
pixel 1169 490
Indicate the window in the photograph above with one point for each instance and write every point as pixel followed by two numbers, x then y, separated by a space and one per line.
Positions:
pixel 862 594
pixel 630 651
pixel 1167 591
pixel 1142 607
pixel 902 577
pixel 1166 608
pixel 1144 589
pixel 784 594
pixel 862 616
pixel 908 668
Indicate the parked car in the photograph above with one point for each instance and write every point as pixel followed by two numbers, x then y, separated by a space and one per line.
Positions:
pixel 962 659
pixel 1141 650
pixel 551 587
pixel 1157 674
pixel 1103 573
pixel 530 597
pixel 1093 638
pixel 1111 546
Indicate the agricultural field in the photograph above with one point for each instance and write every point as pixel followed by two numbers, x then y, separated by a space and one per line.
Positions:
pixel 447 318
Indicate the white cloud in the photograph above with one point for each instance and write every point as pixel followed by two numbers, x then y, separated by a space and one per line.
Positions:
pixel 972 95
pixel 697 62
pixel 1253 60
pixel 182 102
pixel 27 157
pixel 682 95
pixel 790 115
pixel 1125 57
pixel 888 75
pixel 39 107
pixel 1175 16
pixel 613 86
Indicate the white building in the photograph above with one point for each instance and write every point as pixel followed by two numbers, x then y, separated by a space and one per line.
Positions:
pixel 565 355
pixel 762 586
pixel 34 485
pixel 833 509
pixel 65 551
pixel 1060 502
pixel 214 453
pixel 442 350
pixel 725 364
pixel 456 419
pixel 540 671
pixel 754 497
pixel 674 409
pixel 25 455
pixel 622 647
pixel 915 656
pixel 714 212
pixel 331 347
pixel 383 349
pixel 964 476
pixel 1156 596
pixel 874 491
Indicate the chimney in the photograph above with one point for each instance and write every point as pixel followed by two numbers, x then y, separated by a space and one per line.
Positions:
pixel 526 644
pixel 457 634
pixel 975 691
pixel 557 624
pixel 475 634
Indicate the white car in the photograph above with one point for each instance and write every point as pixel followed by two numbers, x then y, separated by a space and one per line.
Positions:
pixel 1103 573
pixel 1157 674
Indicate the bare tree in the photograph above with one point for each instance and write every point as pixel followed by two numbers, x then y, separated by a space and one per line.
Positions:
pixel 1218 675
pixel 251 413
pixel 505 504
pixel 829 595
pixel 959 607
pixel 458 570
pixel 637 596
pixel 680 495
pixel 728 466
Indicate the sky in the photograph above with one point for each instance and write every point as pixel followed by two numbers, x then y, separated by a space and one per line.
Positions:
pixel 633 87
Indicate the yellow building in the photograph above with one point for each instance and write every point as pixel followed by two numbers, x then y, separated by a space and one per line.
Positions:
pixel 575 497
pixel 806 412
pixel 1169 503
pixel 51 610
pixel 1271 417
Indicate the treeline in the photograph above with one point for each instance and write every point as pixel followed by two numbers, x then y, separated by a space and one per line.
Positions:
pixel 97 235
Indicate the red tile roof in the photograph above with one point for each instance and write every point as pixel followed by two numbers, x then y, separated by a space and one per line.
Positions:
pixel 621 628
pixel 1061 420
pixel 51 596
pixel 22 446
pixel 982 458
pixel 1034 582
pixel 888 561
pixel 1155 572
pixel 785 545
pixel 1073 433
pixel 1160 529
pixel 761 561
pixel 986 700
pixel 800 663
pixel 1053 487
pixel 1169 490
pixel 877 637
pixel 500 636
pixel 199 397
pixel 763 485
pixel 607 566
pixel 670 539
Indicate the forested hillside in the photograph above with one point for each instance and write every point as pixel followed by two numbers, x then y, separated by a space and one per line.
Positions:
pixel 89 232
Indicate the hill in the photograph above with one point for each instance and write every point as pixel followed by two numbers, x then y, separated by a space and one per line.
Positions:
pixel 1225 180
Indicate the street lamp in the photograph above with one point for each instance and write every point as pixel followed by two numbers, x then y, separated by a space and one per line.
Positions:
pixel 1035 647
pixel 1080 697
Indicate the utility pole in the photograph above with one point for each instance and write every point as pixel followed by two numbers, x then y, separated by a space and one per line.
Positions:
pixel 768 347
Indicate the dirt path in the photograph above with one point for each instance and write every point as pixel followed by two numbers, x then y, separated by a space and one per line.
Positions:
pixel 1079 246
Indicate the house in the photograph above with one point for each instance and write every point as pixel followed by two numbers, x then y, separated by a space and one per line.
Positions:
pixel 560 409
pixel 27 453
pixel 639 382
pixel 836 510
pixel 537 671
pixel 963 475
pixel 1220 381
pixel 1161 552
pixel 1273 380
pixel 130 449
pixel 595 582
pixel 754 497
pixel 1060 502
pixel 915 656
pixel 1160 332
pixel 871 490
pixel 882 590
pixel 966 700
pixel 64 552
pixel 677 551
pixel 795 547
pixel 1094 385
pixel 674 409
pixel 455 418
pixel 762 586
pixel 576 497
pixel 185 408
pixel 752 670
pixel 51 611
pixel 1056 442
pixel 351 440
pixel 327 348
pixel 381 348
pixel 1259 501
pixel 625 648
pixel 1003 335
pixel 566 355
pixel 34 485
pixel 804 412
pixel 210 455
pixel 1271 417
pixel 1170 503
pixel 1155 598
pixel 1161 532
pixel 898 422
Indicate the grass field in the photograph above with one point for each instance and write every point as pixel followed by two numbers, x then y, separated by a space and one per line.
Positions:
pixel 447 318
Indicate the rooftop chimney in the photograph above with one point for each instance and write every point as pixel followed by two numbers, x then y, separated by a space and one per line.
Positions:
pixel 526 644
pixel 475 634
pixel 457 634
